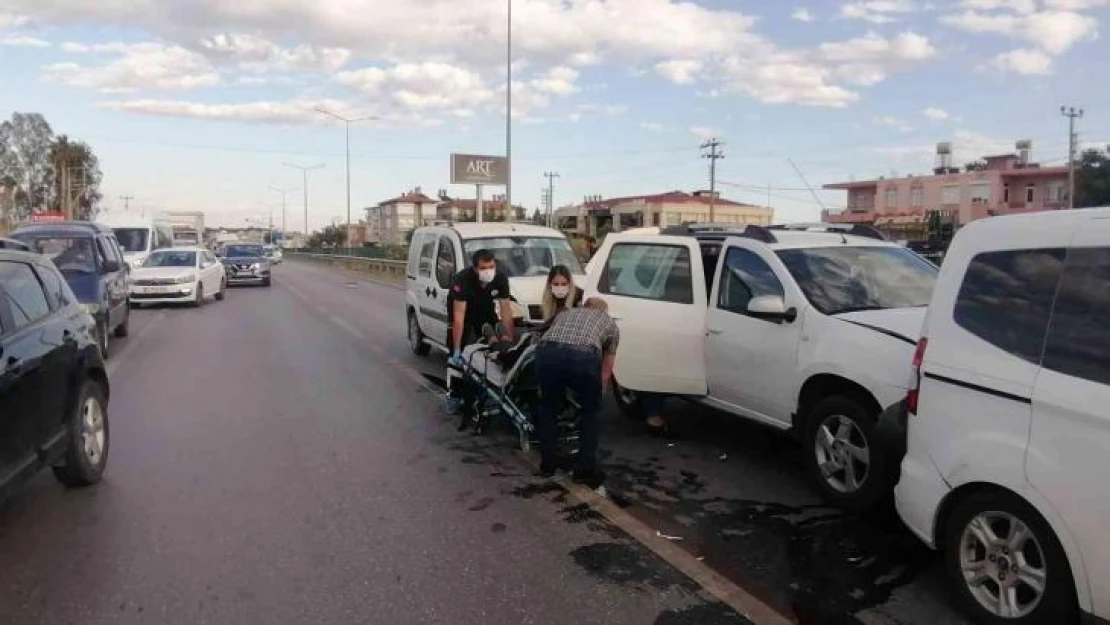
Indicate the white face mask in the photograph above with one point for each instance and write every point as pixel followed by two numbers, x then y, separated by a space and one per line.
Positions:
pixel 560 291
pixel 486 275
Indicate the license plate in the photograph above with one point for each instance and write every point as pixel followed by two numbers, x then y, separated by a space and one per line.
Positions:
pixel 244 274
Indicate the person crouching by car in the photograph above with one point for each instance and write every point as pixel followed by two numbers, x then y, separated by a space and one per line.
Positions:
pixel 559 293
pixel 478 293
pixel 577 354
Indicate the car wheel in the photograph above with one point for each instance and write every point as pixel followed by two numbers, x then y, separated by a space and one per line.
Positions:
pixel 87 451
pixel 125 327
pixel 102 338
pixel 416 336
pixel 199 301
pixel 1006 563
pixel 627 401
pixel 841 455
pixel 267 282
pixel 220 293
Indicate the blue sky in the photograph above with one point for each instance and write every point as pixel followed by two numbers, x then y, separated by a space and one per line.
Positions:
pixel 194 104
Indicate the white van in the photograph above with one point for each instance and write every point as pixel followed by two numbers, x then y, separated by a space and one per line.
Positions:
pixel 524 252
pixel 1008 432
pixel 139 236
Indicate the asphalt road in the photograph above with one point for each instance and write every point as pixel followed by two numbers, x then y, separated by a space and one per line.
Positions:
pixel 278 458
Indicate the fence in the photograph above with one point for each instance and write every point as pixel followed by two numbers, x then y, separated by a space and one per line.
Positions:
pixel 380 269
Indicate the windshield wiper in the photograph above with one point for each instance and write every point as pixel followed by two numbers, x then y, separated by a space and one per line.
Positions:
pixel 852 309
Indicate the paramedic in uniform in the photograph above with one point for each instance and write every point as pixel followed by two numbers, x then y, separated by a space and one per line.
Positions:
pixel 477 294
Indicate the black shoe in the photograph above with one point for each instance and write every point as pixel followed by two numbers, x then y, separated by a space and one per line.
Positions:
pixel 546 471
pixel 592 479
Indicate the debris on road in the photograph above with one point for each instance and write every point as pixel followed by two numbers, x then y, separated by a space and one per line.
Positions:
pixel 662 535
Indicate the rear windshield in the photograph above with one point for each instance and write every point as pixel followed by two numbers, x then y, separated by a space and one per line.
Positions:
pixel 526 256
pixel 71 254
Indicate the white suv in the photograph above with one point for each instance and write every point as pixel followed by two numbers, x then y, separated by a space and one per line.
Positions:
pixel 1009 428
pixel 802 328
pixel 524 252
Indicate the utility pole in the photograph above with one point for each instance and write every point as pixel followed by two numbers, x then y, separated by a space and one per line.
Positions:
pixel 282 192
pixel 508 106
pixel 304 171
pixel 347 121
pixel 1072 114
pixel 551 176
pixel 126 202
pixel 714 152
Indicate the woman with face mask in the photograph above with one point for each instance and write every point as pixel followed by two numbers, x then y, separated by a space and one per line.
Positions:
pixel 560 293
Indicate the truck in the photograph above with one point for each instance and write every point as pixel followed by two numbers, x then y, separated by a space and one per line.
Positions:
pixel 188 227
pixel 139 235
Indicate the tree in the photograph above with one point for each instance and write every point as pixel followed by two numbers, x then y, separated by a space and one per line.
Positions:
pixel 330 236
pixel 85 175
pixel 25 143
pixel 1092 179
pixel 975 166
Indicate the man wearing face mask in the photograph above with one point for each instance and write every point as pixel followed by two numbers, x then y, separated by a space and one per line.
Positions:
pixel 478 293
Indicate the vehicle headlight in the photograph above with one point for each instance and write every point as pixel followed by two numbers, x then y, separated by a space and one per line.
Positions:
pixel 138 262
pixel 185 279
pixel 90 308
pixel 256 266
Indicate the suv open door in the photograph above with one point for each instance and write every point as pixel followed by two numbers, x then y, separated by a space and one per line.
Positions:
pixel 655 287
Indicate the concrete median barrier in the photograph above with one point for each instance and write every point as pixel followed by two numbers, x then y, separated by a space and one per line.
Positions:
pixel 378 269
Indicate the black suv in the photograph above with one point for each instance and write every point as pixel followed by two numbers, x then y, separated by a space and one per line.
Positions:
pixel 89 257
pixel 53 385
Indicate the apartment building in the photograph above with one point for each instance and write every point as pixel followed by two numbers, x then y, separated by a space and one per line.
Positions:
pixel 993 185
pixel 392 221
pixel 596 216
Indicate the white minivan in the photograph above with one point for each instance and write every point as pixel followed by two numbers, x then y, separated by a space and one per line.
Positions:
pixel 139 236
pixel 524 252
pixel 1008 432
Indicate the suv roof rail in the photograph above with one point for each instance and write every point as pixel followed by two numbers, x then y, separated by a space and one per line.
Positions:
pixel 710 231
pixel 859 230
pixel 13 244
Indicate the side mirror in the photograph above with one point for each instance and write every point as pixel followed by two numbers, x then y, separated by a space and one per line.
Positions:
pixel 771 308
pixel 111 266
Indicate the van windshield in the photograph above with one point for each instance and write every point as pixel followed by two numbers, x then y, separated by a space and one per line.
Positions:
pixel 132 239
pixel 847 279
pixel 526 256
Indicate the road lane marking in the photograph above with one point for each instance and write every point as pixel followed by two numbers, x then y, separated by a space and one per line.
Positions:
pixel 118 359
pixel 353 331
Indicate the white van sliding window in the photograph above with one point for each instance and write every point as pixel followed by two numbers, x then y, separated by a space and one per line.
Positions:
pixel 1079 334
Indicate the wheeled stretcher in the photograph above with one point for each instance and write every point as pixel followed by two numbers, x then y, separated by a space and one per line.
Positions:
pixel 503 380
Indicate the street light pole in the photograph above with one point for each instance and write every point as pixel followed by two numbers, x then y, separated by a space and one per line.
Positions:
pixel 509 108
pixel 304 171
pixel 282 192
pixel 347 121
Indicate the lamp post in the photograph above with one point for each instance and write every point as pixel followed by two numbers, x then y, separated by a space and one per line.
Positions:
pixel 508 107
pixel 282 192
pixel 347 121
pixel 304 171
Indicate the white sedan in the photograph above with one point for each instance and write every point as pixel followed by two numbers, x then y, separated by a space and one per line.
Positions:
pixel 178 274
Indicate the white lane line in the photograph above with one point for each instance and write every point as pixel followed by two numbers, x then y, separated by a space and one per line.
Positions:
pixel 353 331
pixel 117 359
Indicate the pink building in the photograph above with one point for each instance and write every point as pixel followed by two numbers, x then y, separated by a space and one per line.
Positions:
pixel 996 185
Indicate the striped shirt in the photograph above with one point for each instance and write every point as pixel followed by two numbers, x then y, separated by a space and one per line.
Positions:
pixel 584 327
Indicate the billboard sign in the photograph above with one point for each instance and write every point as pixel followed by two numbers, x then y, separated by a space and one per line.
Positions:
pixel 478 169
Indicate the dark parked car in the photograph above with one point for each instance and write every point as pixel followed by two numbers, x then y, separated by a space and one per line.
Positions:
pixel 246 263
pixel 53 385
pixel 89 257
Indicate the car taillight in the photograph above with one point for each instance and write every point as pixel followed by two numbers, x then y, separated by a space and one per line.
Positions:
pixel 913 394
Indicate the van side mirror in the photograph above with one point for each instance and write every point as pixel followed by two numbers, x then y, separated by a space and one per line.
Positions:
pixel 111 266
pixel 771 308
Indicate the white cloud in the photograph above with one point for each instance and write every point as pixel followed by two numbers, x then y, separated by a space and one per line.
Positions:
pixel 23 41
pixel 259 55
pixel 894 122
pixel 273 112
pixel 419 85
pixel 1048 33
pixel 703 132
pixel 139 66
pixel 1024 61
pixel 871 59
pixel 802 14
pixel 877 11
pixel 1075 5
pixel 74 47
pixel 681 72
pixel 935 114
pixel 11 20
pixel 652 126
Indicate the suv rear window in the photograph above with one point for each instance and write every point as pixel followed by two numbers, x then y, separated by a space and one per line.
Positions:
pixel 1006 299
pixel 1078 341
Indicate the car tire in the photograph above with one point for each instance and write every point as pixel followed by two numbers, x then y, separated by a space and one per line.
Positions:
pixel 267 282
pixel 220 294
pixel 628 402
pixel 416 336
pixel 839 444
pixel 980 517
pixel 199 301
pixel 124 328
pixel 89 438
pixel 102 338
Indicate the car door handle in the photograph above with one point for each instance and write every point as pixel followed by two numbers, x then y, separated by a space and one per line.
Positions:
pixel 715 331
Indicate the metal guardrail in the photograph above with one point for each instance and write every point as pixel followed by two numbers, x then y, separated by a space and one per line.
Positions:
pixel 391 271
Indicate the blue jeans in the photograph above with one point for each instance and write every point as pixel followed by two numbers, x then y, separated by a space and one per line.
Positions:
pixel 560 369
